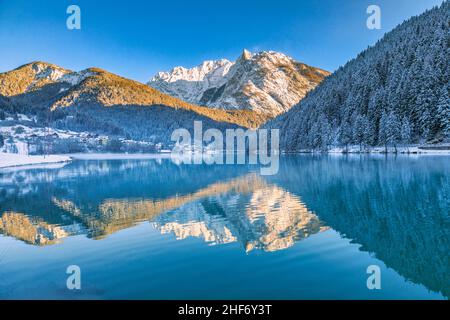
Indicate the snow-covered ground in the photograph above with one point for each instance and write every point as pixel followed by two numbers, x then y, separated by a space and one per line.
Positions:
pixel 13 159
pixel 425 150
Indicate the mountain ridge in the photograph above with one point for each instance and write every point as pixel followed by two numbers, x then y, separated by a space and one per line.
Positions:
pixel 64 88
pixel 268 82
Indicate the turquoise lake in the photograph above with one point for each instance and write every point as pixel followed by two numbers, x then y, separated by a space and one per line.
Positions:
pixel 154 229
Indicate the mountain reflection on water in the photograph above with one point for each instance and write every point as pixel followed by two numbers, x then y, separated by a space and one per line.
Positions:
pixel 248 210
pixel 397 208
pixel 244 209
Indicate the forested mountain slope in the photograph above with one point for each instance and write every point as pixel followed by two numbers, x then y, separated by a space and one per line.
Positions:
pixel 394 92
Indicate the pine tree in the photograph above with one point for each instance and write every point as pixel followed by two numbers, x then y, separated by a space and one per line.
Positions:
pixel 393 129
pixel 326 134
pixel 443 110
pixel 360 131
pixel 345 135
pixel 406 131
pixel 424 106
pixel 383 131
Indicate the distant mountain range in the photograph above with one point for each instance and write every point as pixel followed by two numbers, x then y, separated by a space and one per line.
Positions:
pixel 245 93
pixel 266 82
pixel 99 102
pixel 46 85
pixel 396 92
pixel 53 93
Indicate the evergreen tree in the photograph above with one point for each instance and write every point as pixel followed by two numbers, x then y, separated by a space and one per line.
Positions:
pixel 393 129
pixel 443 110
pixel 361 131
pixel 345 135
pixel 383 132
pixel 406 131
pixel 326 134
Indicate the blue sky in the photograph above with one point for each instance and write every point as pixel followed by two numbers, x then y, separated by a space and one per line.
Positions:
pixel 137 38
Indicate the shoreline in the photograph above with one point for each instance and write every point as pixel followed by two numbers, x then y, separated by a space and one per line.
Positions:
pixel 118 156
pixel 12 160
pixel 355 150
pixel 9 160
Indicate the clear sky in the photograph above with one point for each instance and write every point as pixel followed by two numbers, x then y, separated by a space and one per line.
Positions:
pixel 137 38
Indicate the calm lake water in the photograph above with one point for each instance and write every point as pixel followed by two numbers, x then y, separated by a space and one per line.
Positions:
pixel 152 229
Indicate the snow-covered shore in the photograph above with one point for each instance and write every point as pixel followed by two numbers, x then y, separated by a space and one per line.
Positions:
pixel 410 150
pixel 118 156
pixel 13 159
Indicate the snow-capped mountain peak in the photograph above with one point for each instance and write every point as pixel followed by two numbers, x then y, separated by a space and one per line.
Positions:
pixel 268 82
pixel 202 72
pixel 195 81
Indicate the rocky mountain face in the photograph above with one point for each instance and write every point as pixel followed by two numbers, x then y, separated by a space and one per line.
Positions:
pixel 190 84
pixel 267 82
pixel 396 92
